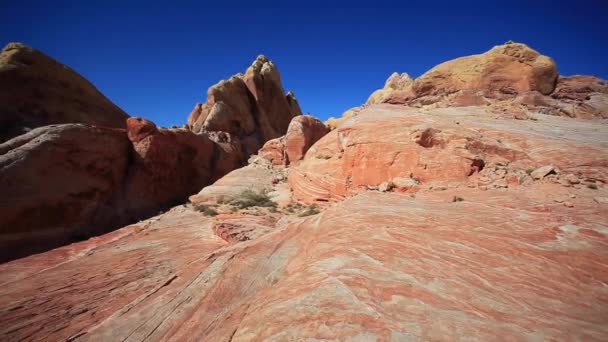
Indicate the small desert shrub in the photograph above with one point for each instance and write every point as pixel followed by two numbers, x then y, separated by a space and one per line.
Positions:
pixel 457 199
pixel 205 209
pixel 250 198
pixel 592 186
pixel 529 171
pixel 312 209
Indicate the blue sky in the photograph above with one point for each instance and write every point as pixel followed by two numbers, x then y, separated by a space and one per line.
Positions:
pixel 156 59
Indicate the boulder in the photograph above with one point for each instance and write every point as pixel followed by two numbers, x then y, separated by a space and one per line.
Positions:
pixel 302 133
pixel 543 171
pixel 503 71
pixel 36 90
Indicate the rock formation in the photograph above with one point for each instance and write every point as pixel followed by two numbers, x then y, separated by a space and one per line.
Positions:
pixel 251 108
pixel 504 70
pixel 512 72
pixel 448 145
pixel 68 182
pixel 303 131
pixel 407 221
pixel 36 90
pixel 395 83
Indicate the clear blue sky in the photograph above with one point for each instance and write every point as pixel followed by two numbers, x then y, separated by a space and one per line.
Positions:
pixel 157 59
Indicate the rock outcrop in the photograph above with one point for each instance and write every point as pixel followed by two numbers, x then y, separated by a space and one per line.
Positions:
pixel 251 108
pixel 59 184
pixel 36 90
pixel 512 72
pixel 395 83
pixel 441 145
pixel 504 70
pixel 67 182
pixel 303 131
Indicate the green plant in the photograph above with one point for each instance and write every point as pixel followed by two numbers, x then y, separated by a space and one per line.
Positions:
pixel 205 209
pixel 457 199
pixel 592 186
pixel 250 198
pixel 312 209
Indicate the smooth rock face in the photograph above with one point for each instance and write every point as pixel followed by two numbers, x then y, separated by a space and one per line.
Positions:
pixel 167 166
pixel 36 90
pixel 378 266
pixel 250 108
pixel 302 133
pixel 443 144
pixel 59 185
pixel 505 69
pixel 63 183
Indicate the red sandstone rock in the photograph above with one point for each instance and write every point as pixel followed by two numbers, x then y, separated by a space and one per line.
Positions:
pixel 274 151
pixel 302 133
pixel 139 128
pixel 36 90
pixel 378 266
pixel 447 145
pixel 59 184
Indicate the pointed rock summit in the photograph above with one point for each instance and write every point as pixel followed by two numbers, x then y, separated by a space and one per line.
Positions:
pixel 252 107
pixel 36 90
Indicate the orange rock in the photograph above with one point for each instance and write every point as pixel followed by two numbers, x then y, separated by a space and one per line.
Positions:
pixel 506 69
pixel 302 133
pixel 438 145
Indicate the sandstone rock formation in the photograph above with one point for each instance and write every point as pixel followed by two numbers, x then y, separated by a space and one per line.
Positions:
pixel 36 90
pixel 58 185
pixel 504 70
pixel 377 266
pixel 67 182
pixel 395 83
pixel 303 131
pixel 333 123
pixel 402 223
pixel 444 144
pixel 250 108
pixel 508 72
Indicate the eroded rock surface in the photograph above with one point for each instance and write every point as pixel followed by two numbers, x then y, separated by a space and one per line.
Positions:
pixel 417 268
pixel 36 90
pixel 443 144
pixel 251 108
